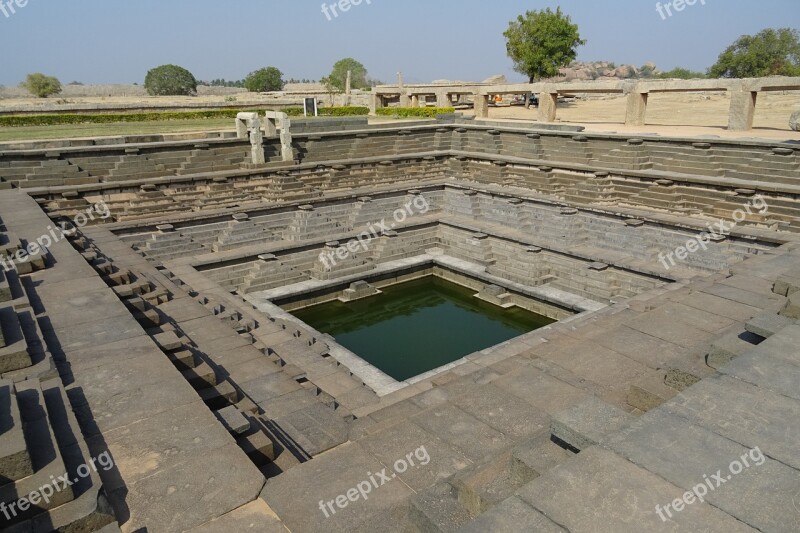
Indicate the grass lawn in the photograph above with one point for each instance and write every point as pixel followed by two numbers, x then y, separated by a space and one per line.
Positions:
pixel 71 131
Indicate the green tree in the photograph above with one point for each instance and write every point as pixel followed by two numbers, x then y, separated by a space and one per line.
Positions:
pixel 264 80
pixel 681 74
pixel 336 80
pixel 40 85
pixel 770 52
pixel 541 42
pixel 170 80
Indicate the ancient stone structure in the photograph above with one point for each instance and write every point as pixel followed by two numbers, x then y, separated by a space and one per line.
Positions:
pixel 743 93
pixel 160 336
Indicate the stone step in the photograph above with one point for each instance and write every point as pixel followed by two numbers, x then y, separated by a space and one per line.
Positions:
pixel 14 354
pixel 767 324
pixel 587 423
pixel 15 461
pixel 220 396
pixel 438 509
pixel 258 446
pixel 728 346
pixel 201 376
pixel 45 455
pixel 483 486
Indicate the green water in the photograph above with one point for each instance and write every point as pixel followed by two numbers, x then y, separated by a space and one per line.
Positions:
pixel 420 325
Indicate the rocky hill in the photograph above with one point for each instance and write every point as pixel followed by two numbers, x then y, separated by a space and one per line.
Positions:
pixel 597 70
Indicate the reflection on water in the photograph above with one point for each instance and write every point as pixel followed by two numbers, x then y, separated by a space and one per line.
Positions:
pixel 420 325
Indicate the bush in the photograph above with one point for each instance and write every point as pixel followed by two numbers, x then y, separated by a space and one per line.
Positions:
pixel 42 86
pixel 264 80
pixel 414 112
pixel 170 80
pixel 110 118
pixel 349 111
pixel 681 74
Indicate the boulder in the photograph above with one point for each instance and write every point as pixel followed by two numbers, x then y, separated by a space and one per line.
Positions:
pixel 794 121
pixel 498 79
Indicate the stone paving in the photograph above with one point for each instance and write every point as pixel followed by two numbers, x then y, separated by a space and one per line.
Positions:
pixel 153 339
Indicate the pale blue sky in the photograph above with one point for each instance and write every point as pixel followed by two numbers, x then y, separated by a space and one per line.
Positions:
pixel 117 41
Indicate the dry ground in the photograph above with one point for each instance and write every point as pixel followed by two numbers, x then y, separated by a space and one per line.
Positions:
pixel 686 114
pixel 681 114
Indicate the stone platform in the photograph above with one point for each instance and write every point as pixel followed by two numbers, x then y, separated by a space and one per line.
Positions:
pixel 151 343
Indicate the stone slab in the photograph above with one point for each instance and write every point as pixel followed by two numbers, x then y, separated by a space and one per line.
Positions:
pixel 462 431
pixel 588 423
pixel 768 324
pixel 767 371
pixel 233 420
pixel 396 442
pixel 147 446
pixel 296 494
pixel 544 392
pixel 255 516
pixel 761 495
pixel 605 492
pixel 512 514
pixel 504 412
pixel 193 492
pixel 743 413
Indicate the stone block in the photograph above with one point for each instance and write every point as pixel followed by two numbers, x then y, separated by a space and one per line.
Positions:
pixel 569 496
pixel 587 423
pixel 792 308
pixel 511 514
pixel 200 377
pixel 729 346
pixel 768 324
pixel 233 420
pixel 15 462
pixel 437 509
pixel 680 379
pixel 258 447
pixel 168 341
pixel 649 391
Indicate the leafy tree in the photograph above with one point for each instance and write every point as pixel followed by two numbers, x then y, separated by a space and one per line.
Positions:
pixel 264 80
pixel 770 52
pixel 681 74
pixel 170 80
pixel 40 85
pixel 336 80
pixel 541 42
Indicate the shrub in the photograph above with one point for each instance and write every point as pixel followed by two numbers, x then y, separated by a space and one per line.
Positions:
pixel 264 80
pixel 681 74
pixel 170 80
pixel 110 118
pixel 42 86
pixel 350 111
pixel 411 112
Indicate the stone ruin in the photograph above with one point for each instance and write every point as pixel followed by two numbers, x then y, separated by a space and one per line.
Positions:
pixel 153 336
